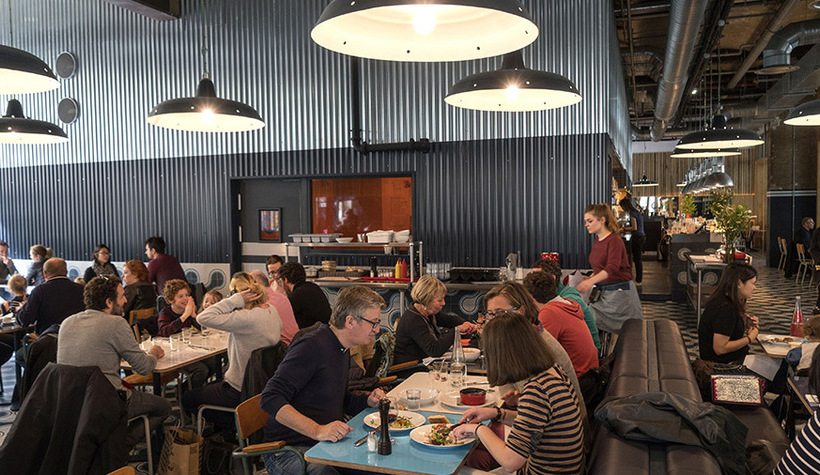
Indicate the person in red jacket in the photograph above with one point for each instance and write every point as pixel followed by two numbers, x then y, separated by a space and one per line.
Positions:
pixel 564 319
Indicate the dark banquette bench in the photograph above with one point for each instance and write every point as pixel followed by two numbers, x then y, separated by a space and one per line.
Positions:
pixel 650 356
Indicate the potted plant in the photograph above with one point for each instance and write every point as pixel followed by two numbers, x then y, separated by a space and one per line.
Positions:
pixel 687 205
pixel 733 219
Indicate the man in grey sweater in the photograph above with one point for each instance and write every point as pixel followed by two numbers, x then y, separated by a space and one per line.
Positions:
pixel 100 337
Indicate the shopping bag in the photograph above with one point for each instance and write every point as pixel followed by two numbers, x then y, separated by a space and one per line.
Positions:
pixel 180 452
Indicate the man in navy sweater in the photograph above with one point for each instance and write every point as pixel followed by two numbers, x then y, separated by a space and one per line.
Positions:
pixel 307 397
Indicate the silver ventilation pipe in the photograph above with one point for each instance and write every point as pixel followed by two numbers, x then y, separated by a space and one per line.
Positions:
pixel 777 55
pixel 777 22
pixel 685 19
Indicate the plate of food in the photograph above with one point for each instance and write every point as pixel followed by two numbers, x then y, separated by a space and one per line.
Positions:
pixel 399 420
pixel 453 399
pixel 437 436
pixel 784 341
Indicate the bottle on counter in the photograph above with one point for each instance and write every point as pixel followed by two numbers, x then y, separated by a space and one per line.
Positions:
pixel 397 272
pixel 797 320
pixel 374 266
pixel 404 269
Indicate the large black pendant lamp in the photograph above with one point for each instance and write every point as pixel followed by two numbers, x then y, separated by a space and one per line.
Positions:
pixel 704 153
pixel 424 30
pixel 805 115
pixel 205 112
pixel 23 73
pixel 720 136
pixel 513 88
pixel 15 128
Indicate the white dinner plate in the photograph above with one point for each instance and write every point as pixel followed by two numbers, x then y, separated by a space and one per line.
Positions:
pixel 453 399
pixel 374 421
pixel 770 340
pixel 428 396
pixel 419 436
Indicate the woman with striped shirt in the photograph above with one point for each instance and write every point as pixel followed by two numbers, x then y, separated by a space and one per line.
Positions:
pixel 547 435
pixel 802 455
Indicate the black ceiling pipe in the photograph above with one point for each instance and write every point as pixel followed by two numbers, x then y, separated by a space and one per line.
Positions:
pixel 422 145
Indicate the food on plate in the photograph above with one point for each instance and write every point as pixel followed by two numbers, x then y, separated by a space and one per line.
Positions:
pixel 440 435
pixel 438 419
pixel 399 422
pixel 785 339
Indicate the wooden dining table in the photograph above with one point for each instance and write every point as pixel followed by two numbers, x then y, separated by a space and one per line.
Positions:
pixel 200 348
pixel 408 457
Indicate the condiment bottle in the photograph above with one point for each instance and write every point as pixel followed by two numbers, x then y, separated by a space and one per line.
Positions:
pixel 403 269
pixel 397 272
pixel 797 320
pixel 385 448
pixel 374 266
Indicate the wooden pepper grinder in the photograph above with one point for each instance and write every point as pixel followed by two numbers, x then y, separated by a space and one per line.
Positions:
pixel 385 448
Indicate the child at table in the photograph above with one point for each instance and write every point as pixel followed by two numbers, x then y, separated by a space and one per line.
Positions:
pixel 180 314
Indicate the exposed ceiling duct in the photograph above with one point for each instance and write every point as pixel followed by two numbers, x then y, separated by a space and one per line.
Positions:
pixel 777 55
pixel 777 22
pixel 685 18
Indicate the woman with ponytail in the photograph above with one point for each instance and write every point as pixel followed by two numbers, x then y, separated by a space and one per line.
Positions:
pixel 612 275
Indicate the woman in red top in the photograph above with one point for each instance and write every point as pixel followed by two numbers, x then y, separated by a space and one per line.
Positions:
pixel 612 274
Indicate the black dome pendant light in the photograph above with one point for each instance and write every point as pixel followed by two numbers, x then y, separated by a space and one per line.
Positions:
pixel 513 88
pixel 205 112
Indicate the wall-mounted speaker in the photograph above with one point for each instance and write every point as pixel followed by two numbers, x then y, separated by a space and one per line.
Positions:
pixel 68 110
pixel 66 65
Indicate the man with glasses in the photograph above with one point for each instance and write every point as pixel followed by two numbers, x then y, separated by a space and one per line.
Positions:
pixel 273 264
pixel 307 398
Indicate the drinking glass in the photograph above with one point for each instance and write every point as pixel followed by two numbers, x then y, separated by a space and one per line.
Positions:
pixel 205 331
pixel 186 335
pixel 147 343
pixel 457 373
pixel 444 372
pixel 176 342
pixel 413 399
pixel 435 376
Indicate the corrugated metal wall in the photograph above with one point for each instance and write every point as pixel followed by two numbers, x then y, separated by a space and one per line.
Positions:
pixel 494 182
pixel 261 53
pixel 475 200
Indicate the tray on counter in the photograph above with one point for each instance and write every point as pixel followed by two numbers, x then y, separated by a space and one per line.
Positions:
pixel 387 279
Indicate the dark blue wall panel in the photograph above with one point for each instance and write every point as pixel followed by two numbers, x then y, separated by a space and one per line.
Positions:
pixel 785 214
pixel 475 200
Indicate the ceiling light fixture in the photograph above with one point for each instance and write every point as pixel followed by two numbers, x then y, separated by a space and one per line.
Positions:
pixel 705 153
pixel 205 112
pixel 22 72
pixel 644 182
pixel 15 128
pixel 424 30
pixel 805 115
pixel 513 88
pixel 720 136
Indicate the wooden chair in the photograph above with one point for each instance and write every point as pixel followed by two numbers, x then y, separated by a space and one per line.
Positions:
pixel 127 470
pixel 806 264
pixel 143 314
pixel 781 243
pixel 249 419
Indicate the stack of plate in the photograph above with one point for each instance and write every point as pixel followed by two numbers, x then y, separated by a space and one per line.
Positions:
pixel 329 266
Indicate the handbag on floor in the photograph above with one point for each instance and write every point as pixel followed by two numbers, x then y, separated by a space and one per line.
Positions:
pixel 180 452
pixel 217 458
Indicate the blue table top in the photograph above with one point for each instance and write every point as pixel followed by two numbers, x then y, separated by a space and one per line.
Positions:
pixel 407 456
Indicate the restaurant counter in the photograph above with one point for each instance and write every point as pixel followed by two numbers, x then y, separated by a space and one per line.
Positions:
pixel 463 298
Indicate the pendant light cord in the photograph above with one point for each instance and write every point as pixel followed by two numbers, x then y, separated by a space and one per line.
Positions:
pixel 204 48
pixel 11 31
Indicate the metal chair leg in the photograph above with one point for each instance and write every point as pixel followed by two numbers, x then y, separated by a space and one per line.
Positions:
pixel 147 441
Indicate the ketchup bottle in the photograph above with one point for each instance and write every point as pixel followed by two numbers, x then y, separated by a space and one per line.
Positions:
pixel 797 320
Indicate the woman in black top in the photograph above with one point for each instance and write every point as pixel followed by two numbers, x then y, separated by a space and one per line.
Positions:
pixel 725 330
pixel 139 293
pixel 418 334
pixel 39 255
pixel 102 264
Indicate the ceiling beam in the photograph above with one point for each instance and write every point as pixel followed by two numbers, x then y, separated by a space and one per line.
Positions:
pixel 162 10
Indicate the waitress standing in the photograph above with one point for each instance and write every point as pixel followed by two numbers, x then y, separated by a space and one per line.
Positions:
pixel 638 236
pixel 612 275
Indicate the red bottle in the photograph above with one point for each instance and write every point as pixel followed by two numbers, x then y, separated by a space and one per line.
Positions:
pixel 797 320
pixel 404 274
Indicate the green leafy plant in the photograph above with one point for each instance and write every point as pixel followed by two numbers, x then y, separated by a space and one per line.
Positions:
pixel 733 219
pixel 687 204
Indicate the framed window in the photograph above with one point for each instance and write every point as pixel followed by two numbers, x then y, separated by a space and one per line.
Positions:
pixel 270 225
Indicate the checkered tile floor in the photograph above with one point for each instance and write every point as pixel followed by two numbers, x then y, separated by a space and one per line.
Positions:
pixel 773 303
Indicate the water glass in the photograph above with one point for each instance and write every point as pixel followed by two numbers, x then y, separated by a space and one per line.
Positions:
pixel 186 335
pixel 176 342
pixel 146 343
pixel 205 331
pixel 458 371
pixel 413 397
pixel 444 371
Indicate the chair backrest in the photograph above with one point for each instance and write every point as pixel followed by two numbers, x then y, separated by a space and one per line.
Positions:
pixel 262 365
pixel 782 243
pixel 383 354
pixel 250 417
pixel 801 251
pixel 127 470
pixel 161 304
pixel 135 315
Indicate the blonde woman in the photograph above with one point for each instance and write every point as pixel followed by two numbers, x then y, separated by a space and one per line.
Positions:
pixel 251 323
pixel 418 335
pixel 612 274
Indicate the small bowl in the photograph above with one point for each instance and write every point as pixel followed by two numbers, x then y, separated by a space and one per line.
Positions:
pixel 471 354
pixel 473 396
pixel 344 240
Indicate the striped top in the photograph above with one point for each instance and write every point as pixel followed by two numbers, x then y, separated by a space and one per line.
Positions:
pixel 547 430
pixel 803 455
